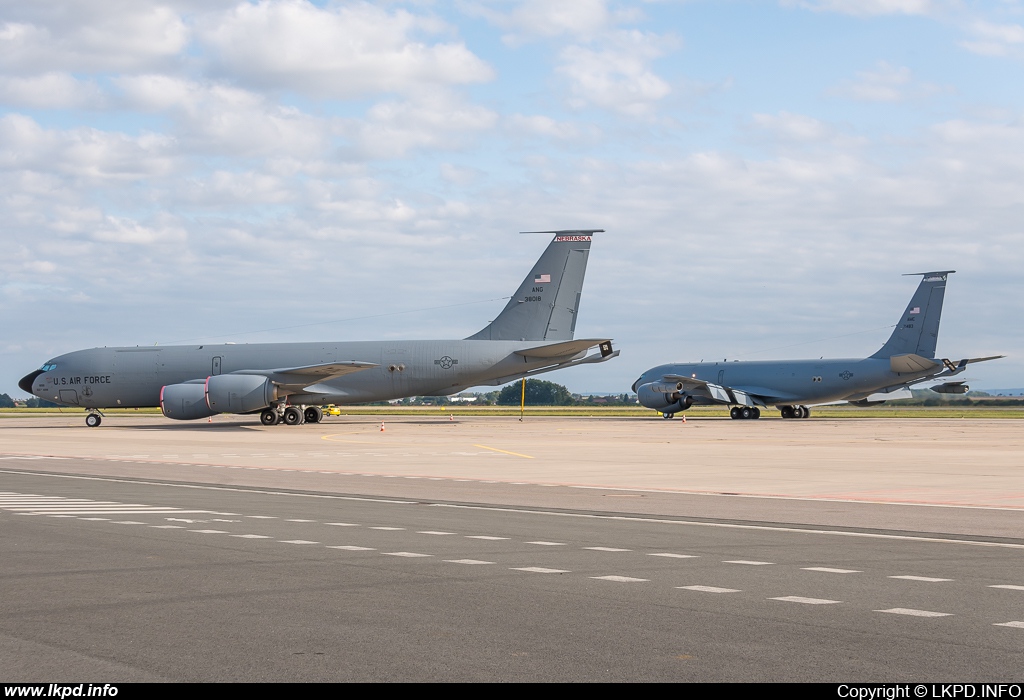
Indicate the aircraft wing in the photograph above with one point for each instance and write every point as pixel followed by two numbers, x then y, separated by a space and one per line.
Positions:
pixel 740 395
pixel 310 374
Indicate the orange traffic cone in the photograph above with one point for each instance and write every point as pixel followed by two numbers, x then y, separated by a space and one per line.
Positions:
pixel 382 426
pixel 684 419
pixel 451 417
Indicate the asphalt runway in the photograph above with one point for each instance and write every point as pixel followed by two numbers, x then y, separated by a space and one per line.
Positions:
pixel 490 550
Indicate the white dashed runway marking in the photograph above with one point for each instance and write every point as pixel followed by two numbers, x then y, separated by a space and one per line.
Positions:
pixel 1008 587
pixel 926 579
pixel 297 542
pixel 806 601
pixel 827 570
pixel 914 613
pixel 608 549
pixel 548 544
pixel 433 532
pixel 620 579
pixel 485 537
pixel 710 589
pixel 1015 623
pixel 351 548
pixel 749 563
pixel 540 570
pixel 671 555
pixel 406 554
pixel 467 561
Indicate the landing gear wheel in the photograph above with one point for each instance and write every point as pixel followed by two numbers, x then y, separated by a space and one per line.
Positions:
pixel 734 413
pixel 292 416
pixel 313 414
pixel 806 412
pixel 269 417
pixel 666 416
pixel 93 420
pixel 788 412
pixel 746 413
pixel 757 413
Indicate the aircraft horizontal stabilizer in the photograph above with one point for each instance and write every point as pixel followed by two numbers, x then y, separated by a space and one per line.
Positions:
pixel 569 347
pixel 911 363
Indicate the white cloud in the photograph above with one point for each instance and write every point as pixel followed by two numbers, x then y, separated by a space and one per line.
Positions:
pixel 339 51
pixel 530 19
pixel 617 76
pixel 870 7
pixel 92 37
pixel 992 39
pixel 887 83
pixel 50 91
pixel 439 120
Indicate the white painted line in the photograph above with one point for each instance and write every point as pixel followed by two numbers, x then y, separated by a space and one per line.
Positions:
pixel 296 520
pixel 165 527
pixel 710 589
pixel 749 563
pixel 94 518
pixel 344 524
pixel 1015 623
pixel 387 528
pixel 1008 587
pixel 484 537
pixel 608 549
pixel 548 544
pixel 915 613
pixel 922 578
pixel 467 561
pixel 253 537
pixel 672 555
pixel 832 571
pixel 433 532
pixel 297 542
pixel 406 554
pixel 350 548
pixel 620 579
pixel 806 601
pixel 539 570
pixel 211 532
pixel 127 522
pixel 263 517
pixel 62 516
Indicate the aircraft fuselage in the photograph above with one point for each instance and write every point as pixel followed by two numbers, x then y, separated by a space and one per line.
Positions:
pixel 132 377
pixel 790 382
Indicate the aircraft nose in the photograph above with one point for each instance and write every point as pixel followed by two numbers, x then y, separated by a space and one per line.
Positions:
pixel 26 382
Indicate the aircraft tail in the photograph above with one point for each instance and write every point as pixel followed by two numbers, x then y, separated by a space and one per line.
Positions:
pixel 917 332
pixel 546 303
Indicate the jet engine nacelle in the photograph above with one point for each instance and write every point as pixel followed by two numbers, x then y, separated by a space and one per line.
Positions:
pixel 239 393
pixel 184 402
pixel 951 388
pixel 663 396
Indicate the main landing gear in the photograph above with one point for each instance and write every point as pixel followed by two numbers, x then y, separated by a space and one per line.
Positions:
pixel 291 415
pixel 795 411
pixel 745 413
pixel 93 420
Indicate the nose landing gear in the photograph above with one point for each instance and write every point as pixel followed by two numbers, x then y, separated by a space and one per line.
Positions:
pixel 93 420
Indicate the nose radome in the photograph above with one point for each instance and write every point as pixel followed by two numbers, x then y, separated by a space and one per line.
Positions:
pixel 26 382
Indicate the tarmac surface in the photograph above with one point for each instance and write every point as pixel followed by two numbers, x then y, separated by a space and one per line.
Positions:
pixel 556 549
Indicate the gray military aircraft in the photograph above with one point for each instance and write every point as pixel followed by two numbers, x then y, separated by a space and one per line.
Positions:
pixel 906 359
pixel 289 382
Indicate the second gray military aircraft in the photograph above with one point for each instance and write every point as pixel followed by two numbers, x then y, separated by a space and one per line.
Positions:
pixel 289 382
pixel 906 359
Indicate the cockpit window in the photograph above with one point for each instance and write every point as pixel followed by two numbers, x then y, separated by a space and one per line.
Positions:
pixel 49 366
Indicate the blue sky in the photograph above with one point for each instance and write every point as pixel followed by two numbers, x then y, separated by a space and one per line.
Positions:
pixel 766 172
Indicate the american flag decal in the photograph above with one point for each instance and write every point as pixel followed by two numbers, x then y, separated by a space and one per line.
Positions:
pixel 916 310
pixel 542 279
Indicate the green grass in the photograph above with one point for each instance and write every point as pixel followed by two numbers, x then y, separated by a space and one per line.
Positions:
pixel 1015 412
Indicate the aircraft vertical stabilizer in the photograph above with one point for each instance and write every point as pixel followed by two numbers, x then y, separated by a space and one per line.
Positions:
pixel 546 303
pixel 917 332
